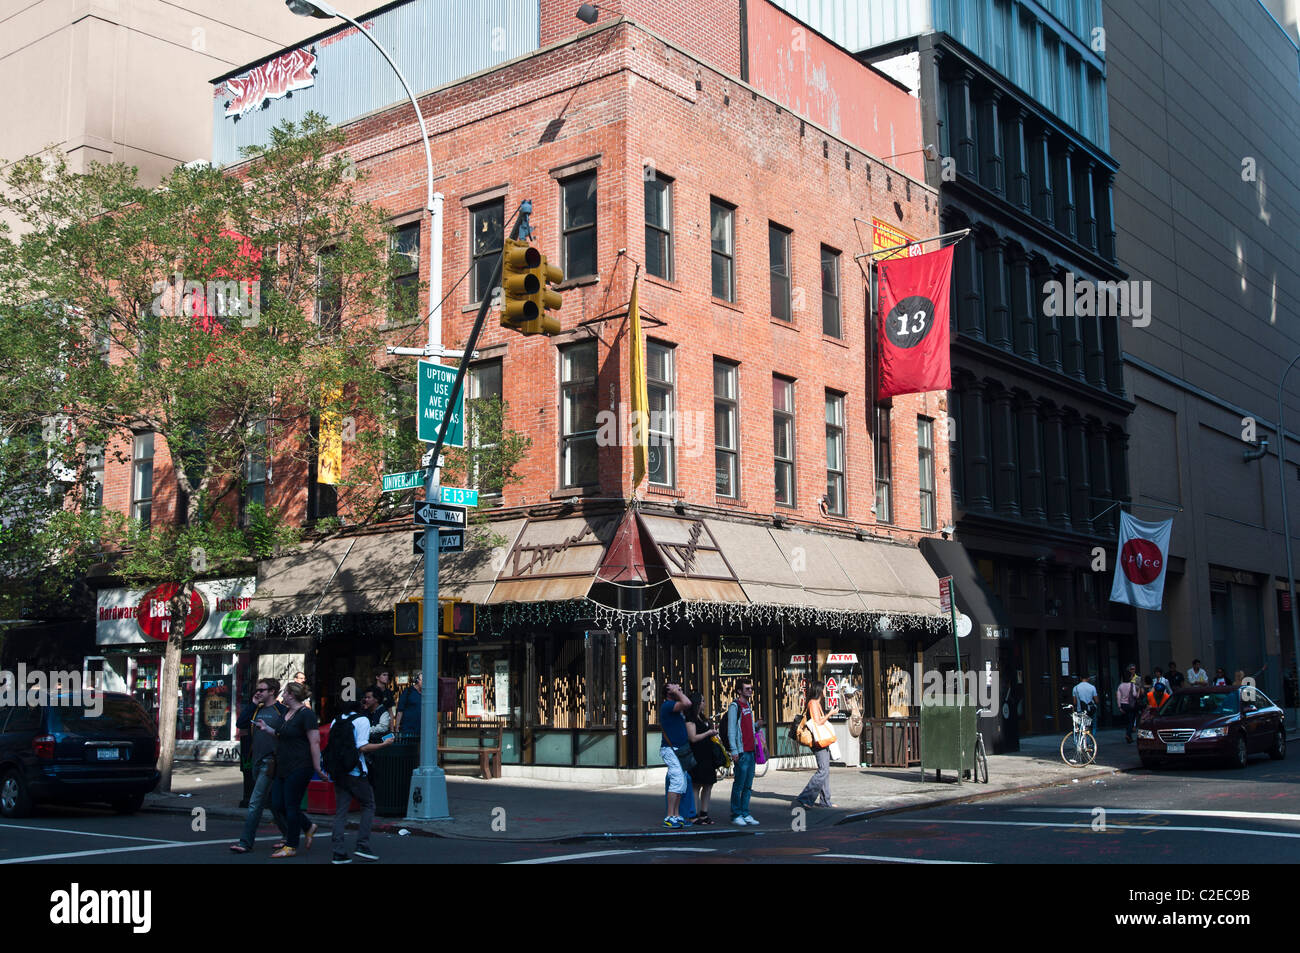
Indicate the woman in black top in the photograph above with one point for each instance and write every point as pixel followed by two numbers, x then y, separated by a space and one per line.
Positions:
pixel 297 755
pixel 701 735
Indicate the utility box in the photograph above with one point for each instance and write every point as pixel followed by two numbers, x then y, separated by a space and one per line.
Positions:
pixel 947 739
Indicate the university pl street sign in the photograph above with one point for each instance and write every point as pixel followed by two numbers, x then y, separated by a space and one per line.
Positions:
pixel 449 541
pixel 433 514
pixel 433 395
pixel 410 480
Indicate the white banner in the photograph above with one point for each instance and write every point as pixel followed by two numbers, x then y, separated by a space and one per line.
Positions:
pixel 136 616
pixel 1141 562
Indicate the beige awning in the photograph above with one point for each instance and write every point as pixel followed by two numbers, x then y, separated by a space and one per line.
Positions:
pixel 553 560
pixel 694 559
pixel 372 573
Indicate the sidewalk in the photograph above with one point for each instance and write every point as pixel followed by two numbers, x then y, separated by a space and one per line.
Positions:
pixel 557 811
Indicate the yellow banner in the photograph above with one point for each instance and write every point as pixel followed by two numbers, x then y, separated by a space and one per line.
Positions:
pixel 640 416
pixel 884 235
pixel 329 459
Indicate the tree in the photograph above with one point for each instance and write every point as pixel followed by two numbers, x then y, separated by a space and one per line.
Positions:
pixel 232 316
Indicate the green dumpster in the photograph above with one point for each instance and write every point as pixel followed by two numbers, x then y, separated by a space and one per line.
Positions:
pixel 390 772
pixel 947 739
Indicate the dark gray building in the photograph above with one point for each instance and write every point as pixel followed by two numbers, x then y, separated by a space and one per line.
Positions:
pixel 1205 126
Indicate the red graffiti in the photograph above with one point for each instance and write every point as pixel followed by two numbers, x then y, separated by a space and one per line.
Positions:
pixel 271 80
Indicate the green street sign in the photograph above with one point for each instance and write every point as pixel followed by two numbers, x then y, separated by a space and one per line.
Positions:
pixel 456 496
pixel 410 480
pixel 433 393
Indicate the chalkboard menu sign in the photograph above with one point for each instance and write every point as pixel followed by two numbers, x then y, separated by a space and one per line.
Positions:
pixel 733 655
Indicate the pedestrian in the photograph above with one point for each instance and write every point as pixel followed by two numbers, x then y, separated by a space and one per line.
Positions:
pixel 1159 679
pixel 1156 696
pixel 1239 676
pixel 352 780
pixel 373 708
pixel 1220 678
pixel 1085 698
pixel 674 740
pixel 407 720
pixel 707 754
pixel 246 747
pixel 740 743
pixel 384 682
pixel 1197 675
pixel 817 792
pixel 265 720
pixel 297 755
pixel 1126 696
pixel 1174 675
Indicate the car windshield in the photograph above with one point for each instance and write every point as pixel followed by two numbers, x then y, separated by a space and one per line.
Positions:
pixel 1197 703
pixel 119 714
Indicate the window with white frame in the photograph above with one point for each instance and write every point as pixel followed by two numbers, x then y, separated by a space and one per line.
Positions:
pixel 578 408
pixel 783 439
pixel 142 478
pixel 835 453
pixel 726 438
pixel 884 467
pixel 662 458
pixel 925 470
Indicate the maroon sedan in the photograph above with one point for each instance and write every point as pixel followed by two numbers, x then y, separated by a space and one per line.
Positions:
pixel 1225 723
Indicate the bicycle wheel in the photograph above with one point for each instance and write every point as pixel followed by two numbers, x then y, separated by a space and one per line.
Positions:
pixel 981 763
pixel 1078 749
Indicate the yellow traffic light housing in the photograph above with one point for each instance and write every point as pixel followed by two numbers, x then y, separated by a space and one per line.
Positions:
pixel 524 278
pixel 459 618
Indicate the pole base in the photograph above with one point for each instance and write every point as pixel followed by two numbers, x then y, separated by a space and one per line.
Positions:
pixel 427 800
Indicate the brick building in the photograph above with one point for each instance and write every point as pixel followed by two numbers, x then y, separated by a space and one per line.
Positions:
pixel 647 153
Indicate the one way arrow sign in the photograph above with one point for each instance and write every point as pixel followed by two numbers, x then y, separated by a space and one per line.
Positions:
pixel 449 541
pixel 433 514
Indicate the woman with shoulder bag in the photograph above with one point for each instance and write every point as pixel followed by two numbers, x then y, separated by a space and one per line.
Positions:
pixel 818 790
pixel 707 755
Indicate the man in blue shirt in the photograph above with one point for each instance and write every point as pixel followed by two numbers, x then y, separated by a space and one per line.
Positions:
pixel 672 721
pixel 408 707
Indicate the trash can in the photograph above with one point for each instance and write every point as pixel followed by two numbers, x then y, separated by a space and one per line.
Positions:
pixel 947 739
pixel 390 775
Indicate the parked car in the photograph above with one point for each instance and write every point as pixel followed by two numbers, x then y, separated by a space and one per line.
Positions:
pixel 1203 722
pixel 62 751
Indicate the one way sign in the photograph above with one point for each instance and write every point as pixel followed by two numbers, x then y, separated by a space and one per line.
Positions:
pixel 449 541
pixel 434 514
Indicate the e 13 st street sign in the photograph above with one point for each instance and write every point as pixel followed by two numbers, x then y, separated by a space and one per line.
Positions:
pixel 433 395
pixel 433 514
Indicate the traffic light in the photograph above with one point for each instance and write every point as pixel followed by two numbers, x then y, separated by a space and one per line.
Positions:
pixel 459 618
pixel 524 279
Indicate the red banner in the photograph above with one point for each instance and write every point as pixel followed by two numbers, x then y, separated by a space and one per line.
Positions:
pixel 913 305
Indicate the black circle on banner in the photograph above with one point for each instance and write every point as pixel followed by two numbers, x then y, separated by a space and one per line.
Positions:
pixel 909 321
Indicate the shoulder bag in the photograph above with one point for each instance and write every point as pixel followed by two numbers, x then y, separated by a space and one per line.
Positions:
pixel 803 734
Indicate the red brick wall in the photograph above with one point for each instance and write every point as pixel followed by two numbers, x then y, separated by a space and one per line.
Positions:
pixel 709 29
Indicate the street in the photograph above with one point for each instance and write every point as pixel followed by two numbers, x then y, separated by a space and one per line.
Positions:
pixel 1197 814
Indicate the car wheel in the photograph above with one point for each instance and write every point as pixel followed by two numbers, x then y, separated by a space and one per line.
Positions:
pixel 1278 751
pixel 1149 762
pixel 14 799
pixel 128 805
pixel 1240 753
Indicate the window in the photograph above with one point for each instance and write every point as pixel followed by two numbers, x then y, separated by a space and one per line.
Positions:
pixel 483 426
pixel 659 387
pixel 925 469
pixel 783 438
pixel 722 239
pixel 103 336
pixel 579 227
pixel 95 468
pixel 659 228
pixel 487 233
pixel 404 269
pixel 255 457
pixel 329 291
pixel 578 414
pixel 835 453
pixel 884 467
pixel 142 478
pixel 726 441
pixel 831 324
pixel 778 256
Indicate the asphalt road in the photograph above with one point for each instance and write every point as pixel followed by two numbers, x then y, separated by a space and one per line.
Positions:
pixel 1209 815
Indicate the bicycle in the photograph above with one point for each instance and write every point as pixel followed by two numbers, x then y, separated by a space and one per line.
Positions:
pixel 981 758
pixel 1079 747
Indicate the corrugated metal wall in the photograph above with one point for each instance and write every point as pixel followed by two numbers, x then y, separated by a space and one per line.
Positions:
pixel 863 24
pixel 433 42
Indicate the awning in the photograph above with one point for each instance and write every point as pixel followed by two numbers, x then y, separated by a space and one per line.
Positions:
pixel 693 558
pixel 554 560
pixel 972 594
pixel 371 573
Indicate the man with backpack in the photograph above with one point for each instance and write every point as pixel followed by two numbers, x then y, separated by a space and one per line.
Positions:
pixel 344 760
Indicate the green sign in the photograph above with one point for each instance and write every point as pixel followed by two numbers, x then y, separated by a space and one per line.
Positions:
pixel 433 394
pixel 456 496
pixel 410 480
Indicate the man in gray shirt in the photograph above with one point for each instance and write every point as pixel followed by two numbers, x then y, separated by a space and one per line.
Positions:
pixel 261 757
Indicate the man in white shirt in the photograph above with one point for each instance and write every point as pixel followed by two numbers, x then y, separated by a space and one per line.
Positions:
pixel 354 784
pixel 1085 696
pixel 1197 675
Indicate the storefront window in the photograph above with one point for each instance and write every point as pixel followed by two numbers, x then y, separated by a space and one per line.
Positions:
pixel 145 690
pixel 216 693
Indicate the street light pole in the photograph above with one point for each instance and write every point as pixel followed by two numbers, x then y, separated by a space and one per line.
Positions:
pixel 428 792
pixel 1286 527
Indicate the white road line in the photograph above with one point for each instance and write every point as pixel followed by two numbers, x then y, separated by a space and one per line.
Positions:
pixel 1243 815
pixel 169 845
pixel 899 860
pixel 59 830
pixel 1120 827
pixel 607 853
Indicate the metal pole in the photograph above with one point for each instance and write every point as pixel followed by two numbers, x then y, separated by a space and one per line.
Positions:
pixel 1286 524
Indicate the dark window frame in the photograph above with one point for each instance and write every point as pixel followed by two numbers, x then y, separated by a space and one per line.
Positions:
pixel 482 255
pixel 780 272
pixel 927 499
pixel 404 279
pixel 569 232
pixel 832 301
pixel 717 207
pixel 661 234
pixel 882 440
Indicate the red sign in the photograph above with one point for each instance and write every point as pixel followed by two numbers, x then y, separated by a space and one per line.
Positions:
pixel 832 695
pixel 913 330
pixel 154 613
pixel 1141 560
pixel 271 80
pixel 945 594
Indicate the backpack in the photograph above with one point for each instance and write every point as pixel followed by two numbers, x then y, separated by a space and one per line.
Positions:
pixel 724 723
pixel 341 755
